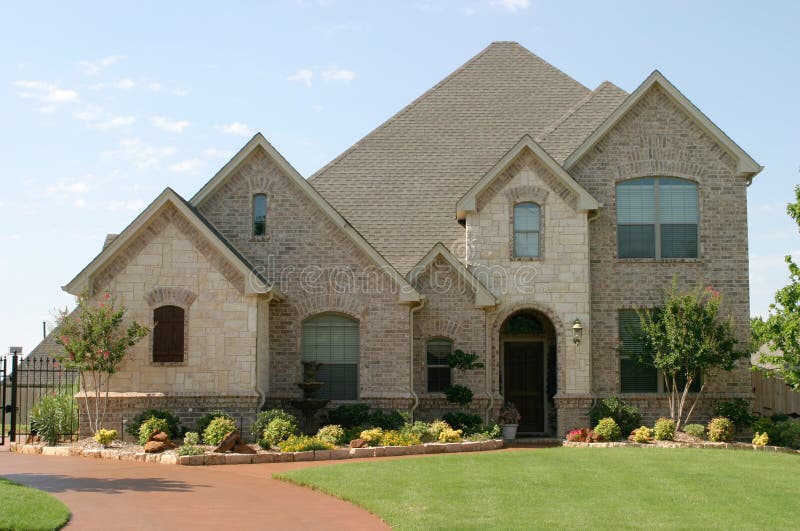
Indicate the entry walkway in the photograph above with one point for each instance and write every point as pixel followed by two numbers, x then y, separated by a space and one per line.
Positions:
pixel 117 495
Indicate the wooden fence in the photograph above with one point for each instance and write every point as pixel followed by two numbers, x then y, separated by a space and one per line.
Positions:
pixel 774 396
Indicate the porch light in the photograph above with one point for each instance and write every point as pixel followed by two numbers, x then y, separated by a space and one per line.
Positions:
pixel 577 332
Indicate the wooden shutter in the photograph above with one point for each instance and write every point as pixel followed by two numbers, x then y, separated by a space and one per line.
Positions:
pixel 168 334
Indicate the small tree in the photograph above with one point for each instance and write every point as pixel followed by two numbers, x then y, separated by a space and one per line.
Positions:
pixel 686 339
pixel 462 361
pixel 95 341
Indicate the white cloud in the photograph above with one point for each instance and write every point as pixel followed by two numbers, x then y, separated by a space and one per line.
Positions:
pixel 125 204
pixel 187 166
pixel 235 128
pixel 338 74
pixel 316 108
pixel 125 84
pixel 170 126
pixel 70 187
pixel 469 11
pixel 79 203
pixel 511 5
pixel 46 92
pixel 180 92
pixel 98 118
pixel 155 86
pixel 92 68
pixel 304 76
pixel 143 155
pixel 214 153
pixel 9 237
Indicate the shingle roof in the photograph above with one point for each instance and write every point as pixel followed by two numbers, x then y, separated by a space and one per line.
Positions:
pixel 398 186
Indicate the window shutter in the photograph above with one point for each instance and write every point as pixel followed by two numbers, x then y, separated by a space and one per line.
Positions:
pixel 634 377
pixel 168 334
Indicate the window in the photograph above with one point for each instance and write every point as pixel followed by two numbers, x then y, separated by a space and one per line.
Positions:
pixel 657 218
pixel 527 224
pixel 439 371
pixel 332 340
pixel 168 334
pixel 259 214
pixel 634 377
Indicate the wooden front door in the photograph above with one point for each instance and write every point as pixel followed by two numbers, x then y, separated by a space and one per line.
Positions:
pixel 524 382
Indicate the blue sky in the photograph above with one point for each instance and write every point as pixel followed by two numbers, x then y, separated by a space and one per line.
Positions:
pixel 105 104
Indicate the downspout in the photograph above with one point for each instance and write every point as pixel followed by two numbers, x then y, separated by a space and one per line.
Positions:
pixel 412 310
pixel 262 395
pixel 486 346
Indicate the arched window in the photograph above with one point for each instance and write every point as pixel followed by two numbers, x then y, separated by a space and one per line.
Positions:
pixel 259 214
pixel 440 374
pixel 332 339
pixel 657 217
pixel 527 226
pixel 168 324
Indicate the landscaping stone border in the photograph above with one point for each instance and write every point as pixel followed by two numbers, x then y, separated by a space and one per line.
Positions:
pixel 677 444
pixel 171 458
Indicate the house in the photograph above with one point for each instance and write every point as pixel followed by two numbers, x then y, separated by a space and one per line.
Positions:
pixel 501 209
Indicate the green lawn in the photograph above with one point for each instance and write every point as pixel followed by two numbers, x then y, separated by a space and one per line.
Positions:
pixel 26 508
pixel 577 488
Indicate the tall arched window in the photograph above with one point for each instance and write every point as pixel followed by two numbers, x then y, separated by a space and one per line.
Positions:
pixel 657 217
pixel 259 214
pixel 440 374
pixel 168 322
pixel 527 226
pixel 332 339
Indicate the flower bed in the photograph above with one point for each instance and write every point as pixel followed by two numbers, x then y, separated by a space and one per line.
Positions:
pixel 682 444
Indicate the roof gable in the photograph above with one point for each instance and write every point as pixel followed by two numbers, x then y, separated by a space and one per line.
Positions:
pixel 468 203
pixel 254 283
pixel 746 165
pixel 407 293
pixel 483 297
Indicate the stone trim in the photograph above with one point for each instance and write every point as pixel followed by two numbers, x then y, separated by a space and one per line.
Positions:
pixel 173 296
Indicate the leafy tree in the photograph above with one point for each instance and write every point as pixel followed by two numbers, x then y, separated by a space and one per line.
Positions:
pixel 781 330
pixel 462 361
pixel 686 339
pixel 95 342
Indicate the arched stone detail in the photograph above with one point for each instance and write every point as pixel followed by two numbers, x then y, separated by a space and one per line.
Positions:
pixel 172 296
pixel 343 303
pixel 525 193
pixel 425 329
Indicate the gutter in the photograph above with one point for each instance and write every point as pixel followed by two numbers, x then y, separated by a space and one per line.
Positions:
pixel 411 311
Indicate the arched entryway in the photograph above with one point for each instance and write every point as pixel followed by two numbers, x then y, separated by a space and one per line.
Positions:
pixel 528 370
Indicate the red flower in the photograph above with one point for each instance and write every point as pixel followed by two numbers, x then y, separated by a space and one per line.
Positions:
pixel 105 354
pixel 107 295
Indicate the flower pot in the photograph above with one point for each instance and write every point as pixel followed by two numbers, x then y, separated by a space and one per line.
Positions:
pixel 509 432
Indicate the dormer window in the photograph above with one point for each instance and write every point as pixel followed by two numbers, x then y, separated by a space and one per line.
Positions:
pixel 259 214
pixel 527 227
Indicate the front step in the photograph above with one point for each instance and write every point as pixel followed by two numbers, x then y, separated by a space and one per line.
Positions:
pixel 534 442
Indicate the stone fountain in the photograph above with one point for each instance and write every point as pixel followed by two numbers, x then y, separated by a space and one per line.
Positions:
pixel 309 404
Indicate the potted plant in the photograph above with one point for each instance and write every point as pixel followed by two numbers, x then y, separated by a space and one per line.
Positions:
pixel 509 420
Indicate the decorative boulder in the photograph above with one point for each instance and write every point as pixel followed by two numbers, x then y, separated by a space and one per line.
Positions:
pixel 243 449
pixel 358 443
pixel 230 440
pixel 156 447
pixel 159 437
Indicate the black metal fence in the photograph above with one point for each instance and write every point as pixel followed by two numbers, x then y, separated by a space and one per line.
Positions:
pixel 37 386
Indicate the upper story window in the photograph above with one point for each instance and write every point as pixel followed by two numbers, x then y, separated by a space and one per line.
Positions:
pixel 440 375
pixel 168 322
pixel 527 226
pixel 259 214
pixel 657 217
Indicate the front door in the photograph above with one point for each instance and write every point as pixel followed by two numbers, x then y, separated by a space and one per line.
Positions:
pixel 524 382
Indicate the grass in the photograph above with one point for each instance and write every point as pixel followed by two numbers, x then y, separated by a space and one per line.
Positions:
pixel 604 488
pixel 29 509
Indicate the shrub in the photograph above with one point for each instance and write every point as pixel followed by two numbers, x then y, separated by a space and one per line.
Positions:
pixel 303 443
pixel 278 430
pixel 265 417
pixel 448 435
pixel 331 433
pixel 765 424
pixel 205 420
pixel 353 433
pixel 372 436
pixel 625 415
pixel 217 429
pixel 150 427
pixel 173 424
pixel 642 435
pixel 105 437
pixel 738 410
pixel 459 394
pixel 420 430
pixel 664 429
pixel 787 433
pixel 720 429
pixel 695 430
pixel 468 423
pixel 396 438
pixel 349 415
pixel 190 449
pixel 508 414
pixel 608 429
pixel 387 420
pixel 437 427
pixel 53 416
pixel 191 438
pixel 761 439
pixel 582 435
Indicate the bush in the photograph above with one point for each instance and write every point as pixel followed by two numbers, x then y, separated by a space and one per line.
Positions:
pixel 190 449
pixel 53 416
pixel 303 443
pixel 738 410
pixel 396 438
pixel 625 415
pixel 205 420
pixel 608 429
pixel 466 422
pixel 349 415
pixel 277 431
pixel 105 437
pixel 217 429
pixel 174 428
pixel 191 438
pixel 664 429
pixel 437 427
pixel 420 430
pixel 372 436
pixel 332 433
pixel 150 427
pixel 720 429
pixel 459 394
pixel 449 435
pixel 387 420
pixel 787 433
pixel 695 430
pixel 485 433
pixel 642 435
pixel 582 435
pixel 265 417
pixel 761 439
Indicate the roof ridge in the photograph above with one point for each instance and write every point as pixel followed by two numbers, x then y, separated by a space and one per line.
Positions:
pixel 564 117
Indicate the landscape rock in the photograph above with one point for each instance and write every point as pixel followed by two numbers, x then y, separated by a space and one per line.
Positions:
pixel 358 443
pixel 156 447
pixel 159 437
pixel 214 459
pixel 263 458
pixel 230 440
pixel 243 449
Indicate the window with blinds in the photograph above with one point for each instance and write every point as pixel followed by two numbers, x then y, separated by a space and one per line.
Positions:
pixel 527 227
pixel 168 334
pixel 657 218
pixel 333 341
pixel 440 374
pixel 259 214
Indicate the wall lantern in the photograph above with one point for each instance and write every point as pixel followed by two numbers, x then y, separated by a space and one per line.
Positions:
pixel 577 332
